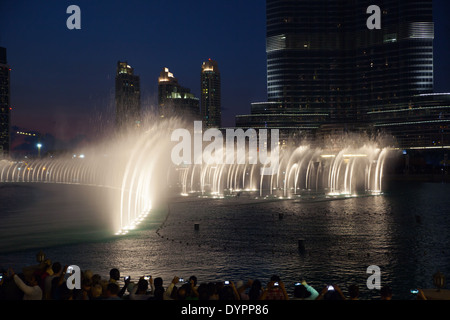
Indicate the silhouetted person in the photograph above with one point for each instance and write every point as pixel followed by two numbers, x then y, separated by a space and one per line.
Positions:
pixel 304 291
pixel 112 290
pixel 353 291
pixel 275 290
pixel 32 290
pixel 114 275
pixel 255 291
pixel 386 293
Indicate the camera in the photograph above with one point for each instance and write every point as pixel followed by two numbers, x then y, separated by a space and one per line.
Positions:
pixel 226 282
pixel 414 291
pixel 330 288
pixel 180 280
pixel 126 278
pixel 69 269
pixel 276 284
pixel 147 277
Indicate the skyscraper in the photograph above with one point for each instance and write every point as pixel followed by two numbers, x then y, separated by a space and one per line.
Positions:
pixel 5 105
pixel 326 68
pixel 175 100
pixel 210 95
pixel 128 97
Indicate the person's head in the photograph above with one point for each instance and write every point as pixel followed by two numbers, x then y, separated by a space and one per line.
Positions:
pixel 203 292
pixel 188 289
pixel 218 286
pixel 181 293
pixel 88 274
pixel 386 293
pixel 56 267
pixel 255 290
pixel 300 292
pixel 112 289
pixel 193 279
pixel 96 278
pixel 114 274
pixel 256 284
pixel 212 289
pixel 226 293
pixel 96 290
pixel 86 284
pixel 142 286
pixel 353 291
pixel 158 282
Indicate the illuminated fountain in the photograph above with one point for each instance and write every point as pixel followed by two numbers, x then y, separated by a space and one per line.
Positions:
pixel 133 166
pixel 137 167
pixel 348 171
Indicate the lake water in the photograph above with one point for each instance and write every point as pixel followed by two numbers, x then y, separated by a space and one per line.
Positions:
pixel 405 232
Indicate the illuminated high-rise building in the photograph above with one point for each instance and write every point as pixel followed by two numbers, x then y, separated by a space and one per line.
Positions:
pixel 210 95
pixel 175 100
pixel 128 97
pixel 326 70
pixel 5 105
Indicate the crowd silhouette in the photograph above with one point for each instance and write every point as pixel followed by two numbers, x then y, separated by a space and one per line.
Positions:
pixel 48 281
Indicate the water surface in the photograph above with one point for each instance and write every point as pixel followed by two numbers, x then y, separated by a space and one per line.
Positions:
pixel 405 232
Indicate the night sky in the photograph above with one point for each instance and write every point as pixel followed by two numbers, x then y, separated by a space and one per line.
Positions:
pixel 62 81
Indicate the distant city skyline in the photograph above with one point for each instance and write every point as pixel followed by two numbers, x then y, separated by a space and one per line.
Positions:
pixel 62 81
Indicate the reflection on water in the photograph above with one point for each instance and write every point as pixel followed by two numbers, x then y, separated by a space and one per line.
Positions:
pixel 405 232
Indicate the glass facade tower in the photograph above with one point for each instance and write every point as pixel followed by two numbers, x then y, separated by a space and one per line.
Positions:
pixel 325 67
pixel 5 105
pixel 210 95
pixel 175 100
pixel 128 97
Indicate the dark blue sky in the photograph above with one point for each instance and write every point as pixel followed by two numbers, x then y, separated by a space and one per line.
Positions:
pixel 62 80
